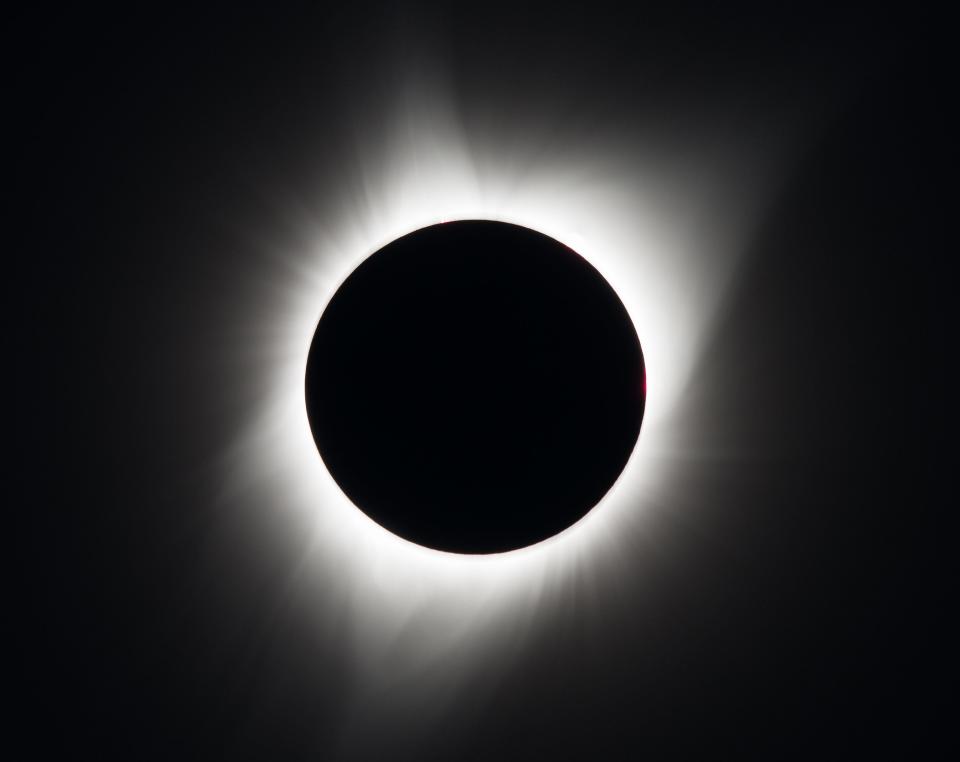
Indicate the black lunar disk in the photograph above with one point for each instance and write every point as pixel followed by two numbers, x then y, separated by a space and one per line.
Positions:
pixel 475 387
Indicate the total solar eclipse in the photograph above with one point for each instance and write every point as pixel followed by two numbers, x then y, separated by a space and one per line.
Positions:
pixel 475 387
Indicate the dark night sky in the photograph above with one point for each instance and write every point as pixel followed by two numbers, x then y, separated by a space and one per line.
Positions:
pixel 794 601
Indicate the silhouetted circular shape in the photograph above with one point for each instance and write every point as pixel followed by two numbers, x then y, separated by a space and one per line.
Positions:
pixel 475 387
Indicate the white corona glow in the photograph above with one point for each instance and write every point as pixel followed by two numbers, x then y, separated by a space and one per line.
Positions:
pixel 665 237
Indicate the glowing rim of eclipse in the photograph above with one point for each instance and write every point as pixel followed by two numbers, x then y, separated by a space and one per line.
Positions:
pixel 626 214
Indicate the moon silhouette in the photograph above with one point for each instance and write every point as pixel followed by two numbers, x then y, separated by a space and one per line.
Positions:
pixel 475 387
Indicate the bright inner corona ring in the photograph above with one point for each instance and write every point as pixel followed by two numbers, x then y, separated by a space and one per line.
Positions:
pixel 667 243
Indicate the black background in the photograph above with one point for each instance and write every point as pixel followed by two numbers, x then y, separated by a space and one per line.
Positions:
pixel 798 611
